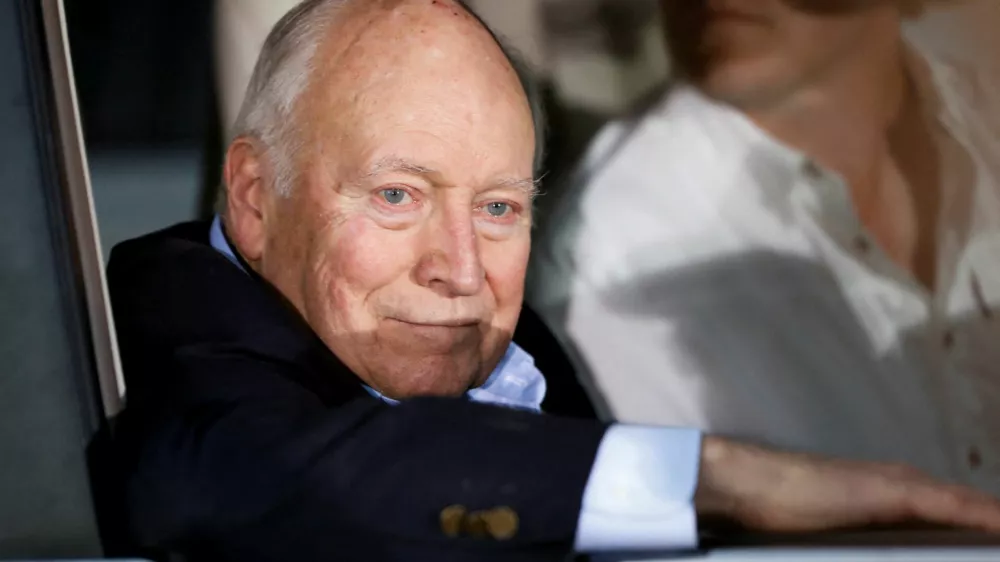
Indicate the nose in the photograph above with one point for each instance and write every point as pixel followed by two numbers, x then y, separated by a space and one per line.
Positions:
pixel 451 264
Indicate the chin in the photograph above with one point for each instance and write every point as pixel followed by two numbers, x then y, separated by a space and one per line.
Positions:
pixel 439 376
pixel 746 82
pixel 740 90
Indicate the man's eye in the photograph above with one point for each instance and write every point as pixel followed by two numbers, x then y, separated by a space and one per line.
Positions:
pixel 497 209
pixel 395 196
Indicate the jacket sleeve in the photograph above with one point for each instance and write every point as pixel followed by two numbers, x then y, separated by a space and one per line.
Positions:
pixel 236 461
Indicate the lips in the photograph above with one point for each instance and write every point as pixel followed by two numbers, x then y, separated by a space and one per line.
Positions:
pixel 441 336
pixel 441 323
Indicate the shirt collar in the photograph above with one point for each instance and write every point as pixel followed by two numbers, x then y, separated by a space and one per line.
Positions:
pixel 219 242
pixel 515 382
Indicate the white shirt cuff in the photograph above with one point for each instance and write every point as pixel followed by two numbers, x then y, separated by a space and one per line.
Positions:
pixel 640 495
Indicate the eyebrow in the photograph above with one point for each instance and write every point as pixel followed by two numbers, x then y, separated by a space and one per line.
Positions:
pixel 530 186
pixel 396 164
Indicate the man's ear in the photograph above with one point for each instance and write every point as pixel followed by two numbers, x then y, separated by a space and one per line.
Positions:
pixel 246 197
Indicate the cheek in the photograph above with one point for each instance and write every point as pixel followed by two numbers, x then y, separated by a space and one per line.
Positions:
pixel 355 261
pixel 285 260
pixel 506 264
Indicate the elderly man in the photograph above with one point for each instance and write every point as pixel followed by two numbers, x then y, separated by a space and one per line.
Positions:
pixel 327 373
pixel 797 245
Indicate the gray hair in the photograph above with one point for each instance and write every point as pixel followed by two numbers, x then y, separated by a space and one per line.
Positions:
pixel 282 74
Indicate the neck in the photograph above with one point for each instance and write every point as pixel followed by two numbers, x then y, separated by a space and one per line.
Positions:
pixel 842 120
pixel 866 121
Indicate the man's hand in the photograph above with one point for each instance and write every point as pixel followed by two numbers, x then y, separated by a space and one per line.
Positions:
pixel 789 493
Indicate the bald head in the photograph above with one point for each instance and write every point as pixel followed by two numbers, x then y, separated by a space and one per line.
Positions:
pixel 408 147
pixel 288 64
pixel 389 51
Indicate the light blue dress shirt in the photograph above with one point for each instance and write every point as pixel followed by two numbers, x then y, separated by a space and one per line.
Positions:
pixel 641 488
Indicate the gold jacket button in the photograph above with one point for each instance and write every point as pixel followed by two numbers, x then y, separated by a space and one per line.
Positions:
pixel 452 518
pixel 502 523
pixel 475 525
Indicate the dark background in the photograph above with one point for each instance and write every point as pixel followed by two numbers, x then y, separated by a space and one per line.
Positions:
pixel 144 76
pixel 143 71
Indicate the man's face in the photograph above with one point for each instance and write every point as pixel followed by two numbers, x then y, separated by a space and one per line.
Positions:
pixel 754 52
pixel 405 241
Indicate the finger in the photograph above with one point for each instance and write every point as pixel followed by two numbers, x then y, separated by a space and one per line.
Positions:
pixel 979 511
pixel 955 506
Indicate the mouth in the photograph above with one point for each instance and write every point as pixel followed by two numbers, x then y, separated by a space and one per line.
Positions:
pixel 438 336
pixel 445 323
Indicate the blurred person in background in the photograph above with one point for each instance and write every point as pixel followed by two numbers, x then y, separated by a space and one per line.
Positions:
pixel 799 244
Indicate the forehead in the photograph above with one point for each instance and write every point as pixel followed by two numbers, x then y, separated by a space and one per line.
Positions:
pixel 418 76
